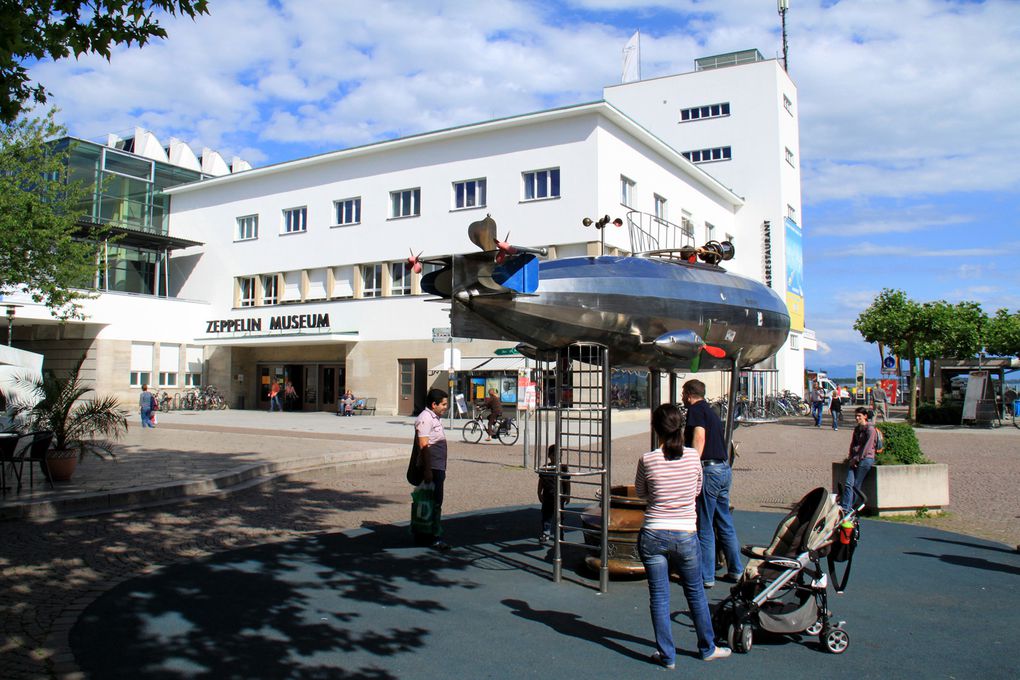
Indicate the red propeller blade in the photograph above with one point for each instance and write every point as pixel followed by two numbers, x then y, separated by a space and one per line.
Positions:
pixel 717 352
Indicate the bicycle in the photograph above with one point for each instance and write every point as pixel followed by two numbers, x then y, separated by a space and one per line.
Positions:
pixel 505 430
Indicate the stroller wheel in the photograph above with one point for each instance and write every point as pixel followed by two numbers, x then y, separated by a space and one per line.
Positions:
pixel 814 629
pixel 835 640
pixel 741 639
pixel 731 637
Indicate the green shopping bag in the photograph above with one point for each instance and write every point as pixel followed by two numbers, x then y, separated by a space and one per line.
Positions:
pixel 424 513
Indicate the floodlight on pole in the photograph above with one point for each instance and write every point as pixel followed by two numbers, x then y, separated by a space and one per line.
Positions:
pixel 783 6
pixel 10 321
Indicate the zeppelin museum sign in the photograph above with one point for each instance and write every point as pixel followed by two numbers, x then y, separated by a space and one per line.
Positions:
pixel 285 322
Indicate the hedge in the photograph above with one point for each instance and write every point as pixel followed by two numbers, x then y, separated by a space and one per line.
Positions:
pixel 901 445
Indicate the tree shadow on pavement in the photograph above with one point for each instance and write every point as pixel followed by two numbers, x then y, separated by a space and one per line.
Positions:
pixel 329 606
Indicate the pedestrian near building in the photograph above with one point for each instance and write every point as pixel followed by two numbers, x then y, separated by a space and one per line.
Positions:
pixel 817 399
pixel 836 407
pixel 495 406
pixel 274 397
pixel 703 432
pixel 146 405
pixel 860 458
pixel 670 479
pixel 879 402
pixel 432 442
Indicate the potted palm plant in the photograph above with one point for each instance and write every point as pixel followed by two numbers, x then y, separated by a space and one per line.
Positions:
pixel 80 424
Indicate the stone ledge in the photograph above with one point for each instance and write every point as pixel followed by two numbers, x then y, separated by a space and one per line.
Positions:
pixel 897 489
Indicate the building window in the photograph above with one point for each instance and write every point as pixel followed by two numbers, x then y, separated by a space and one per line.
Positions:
pixel 371 280
pixel 469 193
pixel 709 232
pixel 192 379
pixel 401 273
pixel 295 220
pixel 141 364
pixel 247 227
pixel 701 112
pixel 405 203
pixel 788 105
pixel 789 158
pixel 730 238
pixel 686 224
pixel 791 213
pixel 660 208
pixel 627 191
pixel 246 291
pixel 719 153
pixel 794 341
pixel 194 359
pixel 167 379
pixel 270 290
pixel 540 184
pixel 348 211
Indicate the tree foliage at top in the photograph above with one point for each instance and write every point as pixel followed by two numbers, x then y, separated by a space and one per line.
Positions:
pixel 1002 334
pixel 40 250
pixel 55 29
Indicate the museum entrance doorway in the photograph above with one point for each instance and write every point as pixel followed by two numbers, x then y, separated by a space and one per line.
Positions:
pixel 316 386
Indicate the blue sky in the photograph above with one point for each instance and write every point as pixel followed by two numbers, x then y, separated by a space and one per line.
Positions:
pixel 909 131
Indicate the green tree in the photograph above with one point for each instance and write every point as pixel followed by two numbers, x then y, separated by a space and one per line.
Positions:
pixel 897 322
pixel 44 252
pixel 55 29
pixel 1002 334
pixel 951 331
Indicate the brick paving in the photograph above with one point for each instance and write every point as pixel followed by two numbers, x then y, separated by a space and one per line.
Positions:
pixel 50 571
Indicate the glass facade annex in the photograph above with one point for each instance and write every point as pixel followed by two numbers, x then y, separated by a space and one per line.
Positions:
pixel 125 194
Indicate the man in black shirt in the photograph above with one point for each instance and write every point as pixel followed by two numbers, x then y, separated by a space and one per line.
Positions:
pixel 704 433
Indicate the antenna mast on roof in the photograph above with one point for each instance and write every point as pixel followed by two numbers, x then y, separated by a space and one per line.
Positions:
pixel 783 6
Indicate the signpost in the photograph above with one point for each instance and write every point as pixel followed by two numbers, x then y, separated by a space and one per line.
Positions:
pixel 506 351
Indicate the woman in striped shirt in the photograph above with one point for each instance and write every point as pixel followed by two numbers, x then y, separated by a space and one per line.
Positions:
pixel 669 479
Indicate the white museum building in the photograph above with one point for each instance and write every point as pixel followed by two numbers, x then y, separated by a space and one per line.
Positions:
pixel 298 271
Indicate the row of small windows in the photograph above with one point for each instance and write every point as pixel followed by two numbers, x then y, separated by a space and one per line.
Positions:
pixel 471 193
pixel 719 153
pixel 661 210
pixel 702 112
pixel 330 283
pixel 171 360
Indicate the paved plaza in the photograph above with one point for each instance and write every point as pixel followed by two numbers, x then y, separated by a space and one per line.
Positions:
pixel 311 575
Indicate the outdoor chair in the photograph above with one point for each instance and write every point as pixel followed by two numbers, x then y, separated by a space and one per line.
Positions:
pixel 37 453
pixel 12 451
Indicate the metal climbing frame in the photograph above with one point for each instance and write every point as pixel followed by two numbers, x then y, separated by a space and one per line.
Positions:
pixel 573 415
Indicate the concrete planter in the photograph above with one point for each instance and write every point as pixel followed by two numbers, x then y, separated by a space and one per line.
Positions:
pixel 898 489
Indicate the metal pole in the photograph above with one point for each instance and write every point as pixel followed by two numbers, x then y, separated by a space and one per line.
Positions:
pixel 784 5
pixel 734 382
pixel 654 399
pixel 527 413
pixel 607 464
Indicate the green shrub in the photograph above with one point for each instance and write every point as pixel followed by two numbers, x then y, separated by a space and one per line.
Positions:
pixel 901 445
pixel 946 413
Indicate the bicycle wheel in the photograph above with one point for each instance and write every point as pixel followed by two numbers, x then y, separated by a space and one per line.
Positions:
pixel 508 433
pixel 472 432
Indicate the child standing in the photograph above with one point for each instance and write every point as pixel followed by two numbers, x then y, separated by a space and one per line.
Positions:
pixel 547 493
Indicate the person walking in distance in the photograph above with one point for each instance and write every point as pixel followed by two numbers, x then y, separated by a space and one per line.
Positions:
pixel 274 397
pixel 817 398
pixel 704 433
pixel 669 479
pixel 880 402
pixel 146 405
pixel 836 407
pixel 432 441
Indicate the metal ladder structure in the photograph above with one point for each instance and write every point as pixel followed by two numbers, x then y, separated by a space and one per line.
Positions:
pixel 572 432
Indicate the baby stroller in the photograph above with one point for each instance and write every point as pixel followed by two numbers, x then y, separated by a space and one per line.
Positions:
pixel 783 589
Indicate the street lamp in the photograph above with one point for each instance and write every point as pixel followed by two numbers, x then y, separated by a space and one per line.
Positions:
pixel 10 321
pixel 783 6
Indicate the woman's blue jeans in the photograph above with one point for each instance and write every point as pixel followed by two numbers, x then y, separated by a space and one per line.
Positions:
pixel 854 482
pixel 680 549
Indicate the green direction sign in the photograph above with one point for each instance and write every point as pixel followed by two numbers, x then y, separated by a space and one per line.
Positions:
pixel 506 351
